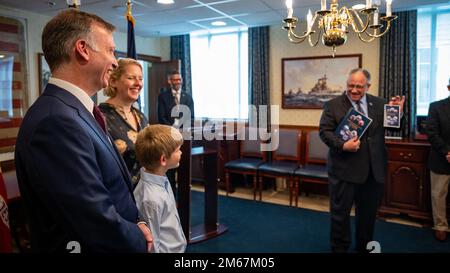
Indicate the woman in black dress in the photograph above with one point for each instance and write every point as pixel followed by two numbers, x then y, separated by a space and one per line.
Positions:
pixel 123 120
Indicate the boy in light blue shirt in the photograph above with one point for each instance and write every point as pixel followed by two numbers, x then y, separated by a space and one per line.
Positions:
pixel 158 150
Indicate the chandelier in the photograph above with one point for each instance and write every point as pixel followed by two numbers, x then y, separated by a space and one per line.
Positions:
pixel 73 3
pixel 332 25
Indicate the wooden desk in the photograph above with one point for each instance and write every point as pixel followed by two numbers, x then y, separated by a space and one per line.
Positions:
pixel 210 228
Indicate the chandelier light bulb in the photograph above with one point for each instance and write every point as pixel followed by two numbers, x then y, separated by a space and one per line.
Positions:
pixel 290 10
pixel 388 8
pixel 323 4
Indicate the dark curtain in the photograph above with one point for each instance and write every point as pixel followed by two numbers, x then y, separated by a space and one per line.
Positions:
pixel 258 74
pixel 398 54
pixel 180 48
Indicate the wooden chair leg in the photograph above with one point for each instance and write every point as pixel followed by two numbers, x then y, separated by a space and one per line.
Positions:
pixel 227 182
pixel 255 186
pixel 261 180
pixel 297 182
pixel 291 188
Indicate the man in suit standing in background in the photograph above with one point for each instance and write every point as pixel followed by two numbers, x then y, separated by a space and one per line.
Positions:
pixel 357 167
pixel 74 183
pixel 438 130
pixel 172 97
pixel 169 99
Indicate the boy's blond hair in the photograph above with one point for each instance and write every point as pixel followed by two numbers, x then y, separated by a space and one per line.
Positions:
pixel 154 141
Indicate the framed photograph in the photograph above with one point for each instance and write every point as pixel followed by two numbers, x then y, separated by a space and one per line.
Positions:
pixel 392 116
pixel 44 72
pixel 311 81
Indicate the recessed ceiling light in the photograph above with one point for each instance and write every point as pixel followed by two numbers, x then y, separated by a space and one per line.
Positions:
pixel 218 23
pixel 165 2
pixel 2 56
pixel 359 6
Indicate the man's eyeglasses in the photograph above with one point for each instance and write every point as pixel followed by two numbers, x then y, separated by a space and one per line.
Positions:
pixel 356 86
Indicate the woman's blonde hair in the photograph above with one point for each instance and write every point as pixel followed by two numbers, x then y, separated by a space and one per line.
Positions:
pixel 154 141
pixel 117 73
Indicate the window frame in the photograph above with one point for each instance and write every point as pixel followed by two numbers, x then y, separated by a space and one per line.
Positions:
pixel 240 32
pixel 432 72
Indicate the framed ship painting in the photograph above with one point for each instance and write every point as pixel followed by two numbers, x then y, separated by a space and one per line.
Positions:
pixel 311 81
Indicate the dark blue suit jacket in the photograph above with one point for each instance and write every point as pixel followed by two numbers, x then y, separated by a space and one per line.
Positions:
pixel 74 184
pixel 349 166
pixel 438 131
pixel 166 102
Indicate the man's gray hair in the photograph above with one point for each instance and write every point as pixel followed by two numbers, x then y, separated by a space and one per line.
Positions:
pixel 63 30
pixel 362 70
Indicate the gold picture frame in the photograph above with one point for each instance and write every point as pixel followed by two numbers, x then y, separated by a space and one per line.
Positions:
pixel 308 82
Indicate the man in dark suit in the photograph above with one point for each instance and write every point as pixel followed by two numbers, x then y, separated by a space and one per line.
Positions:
pixel 75 186
pixel 172 97
pixel 169 99
pixel 357 167
pixel 438 130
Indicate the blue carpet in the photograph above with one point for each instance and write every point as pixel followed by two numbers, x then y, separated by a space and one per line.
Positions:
pixel 258 227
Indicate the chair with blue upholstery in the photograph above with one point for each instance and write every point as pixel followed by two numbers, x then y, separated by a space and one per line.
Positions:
pixel 314 170
pixel 251 156
pixel 285 158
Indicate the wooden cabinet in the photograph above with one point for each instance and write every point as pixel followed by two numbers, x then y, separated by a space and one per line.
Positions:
pixel 407 189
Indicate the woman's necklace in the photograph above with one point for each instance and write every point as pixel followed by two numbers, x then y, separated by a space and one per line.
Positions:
pixel 124 113
pixel 133 120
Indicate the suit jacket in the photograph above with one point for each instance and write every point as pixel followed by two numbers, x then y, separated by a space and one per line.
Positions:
pixel 166 102
pixel 438 131
pixel 355 166
pixel 74 183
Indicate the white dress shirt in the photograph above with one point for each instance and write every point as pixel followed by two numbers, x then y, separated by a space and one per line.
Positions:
pixel 177 96
pixel 79 93
pixel 362 103
pixel 156 203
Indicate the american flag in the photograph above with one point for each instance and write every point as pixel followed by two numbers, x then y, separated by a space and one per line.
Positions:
pixel 12 81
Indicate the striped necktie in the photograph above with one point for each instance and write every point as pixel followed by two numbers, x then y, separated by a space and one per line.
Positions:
pixel 176 96
pixel 359 107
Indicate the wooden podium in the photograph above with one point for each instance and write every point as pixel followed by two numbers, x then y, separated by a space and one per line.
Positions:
pixel 211 227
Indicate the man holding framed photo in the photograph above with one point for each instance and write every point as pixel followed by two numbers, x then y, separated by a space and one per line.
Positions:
pixel 356 167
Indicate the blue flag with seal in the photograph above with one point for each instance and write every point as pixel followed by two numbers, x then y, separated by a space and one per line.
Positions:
pixel 131 44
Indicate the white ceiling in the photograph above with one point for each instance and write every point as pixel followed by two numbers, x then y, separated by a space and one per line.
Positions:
pixel 153 20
